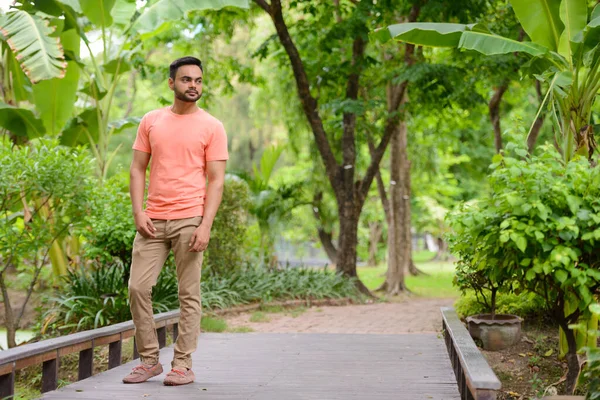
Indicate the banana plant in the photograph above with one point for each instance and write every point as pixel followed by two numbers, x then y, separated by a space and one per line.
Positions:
pixel 564 54
pixel 45 36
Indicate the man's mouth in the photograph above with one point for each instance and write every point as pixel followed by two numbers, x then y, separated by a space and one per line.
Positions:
pixel 192 92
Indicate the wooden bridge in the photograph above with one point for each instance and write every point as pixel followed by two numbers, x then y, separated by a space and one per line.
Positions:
pixel 274 366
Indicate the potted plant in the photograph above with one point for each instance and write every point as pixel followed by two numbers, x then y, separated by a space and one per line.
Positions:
pixel 495 331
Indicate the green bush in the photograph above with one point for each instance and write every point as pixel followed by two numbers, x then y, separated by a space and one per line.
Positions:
pixel 525 305
pixel 225 251
pixel 538 229
pixel 112 228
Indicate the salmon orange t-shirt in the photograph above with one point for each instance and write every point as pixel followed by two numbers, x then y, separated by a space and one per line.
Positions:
pixel 180 146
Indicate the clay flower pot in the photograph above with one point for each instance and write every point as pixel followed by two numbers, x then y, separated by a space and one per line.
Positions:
pixel 503 331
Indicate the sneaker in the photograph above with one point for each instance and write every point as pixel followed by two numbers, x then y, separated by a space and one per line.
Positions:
pixel 143 372
pixel 179 376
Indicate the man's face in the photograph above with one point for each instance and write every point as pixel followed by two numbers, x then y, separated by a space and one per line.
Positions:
pixel 187 84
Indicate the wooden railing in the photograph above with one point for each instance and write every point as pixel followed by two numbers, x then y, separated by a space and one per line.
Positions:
pixel 48 352
pixel 475 378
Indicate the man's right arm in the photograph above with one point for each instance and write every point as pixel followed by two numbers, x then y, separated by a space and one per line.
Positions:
pixel 137 186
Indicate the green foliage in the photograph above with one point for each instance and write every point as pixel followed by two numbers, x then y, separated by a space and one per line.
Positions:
pixel 96 298
pixel 93 299
pixel 563 54
pixel 525 305
pixel 37 49
pixel 537 229
pixel 111 225
pixel 45 193
pixel 225 251
pixel 260 284
pixel 112 228
pixel 210 324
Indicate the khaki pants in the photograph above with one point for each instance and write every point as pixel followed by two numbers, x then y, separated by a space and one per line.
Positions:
pixel 149 255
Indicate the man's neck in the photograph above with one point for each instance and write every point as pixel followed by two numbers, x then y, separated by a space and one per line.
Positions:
pixel 183 107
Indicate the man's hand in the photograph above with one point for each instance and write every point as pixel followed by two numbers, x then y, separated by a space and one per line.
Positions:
pixel 200 238
pixel 144 225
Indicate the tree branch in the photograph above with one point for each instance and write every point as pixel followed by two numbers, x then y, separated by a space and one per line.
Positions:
pixel 264 5
pixel 309 103
pixel 494 107
pixel 395 99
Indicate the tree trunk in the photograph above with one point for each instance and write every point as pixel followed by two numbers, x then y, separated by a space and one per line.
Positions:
pixel 347 242
pixel 397 249
pixel 574 367
pixel 327 243
pixel 325 236
pixel 375 232
pixel 442 254
pixel 9 317
pixel 494 107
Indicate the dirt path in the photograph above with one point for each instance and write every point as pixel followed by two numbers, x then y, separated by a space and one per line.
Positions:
pixel 411 315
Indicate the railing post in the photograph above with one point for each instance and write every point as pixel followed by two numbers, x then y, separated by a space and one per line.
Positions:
pixel 175 332
pixel 114 354
pixel 50 374
pixel 162 336
pixel 136 354
pixel 86 363
pixel 7 385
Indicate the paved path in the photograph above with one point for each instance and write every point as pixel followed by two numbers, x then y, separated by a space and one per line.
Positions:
pixel 413 315
pixel 268 366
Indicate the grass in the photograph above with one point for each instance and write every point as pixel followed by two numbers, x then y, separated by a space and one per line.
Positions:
pixel 437 282
pixel 210 324
pixel 259 316
pixel 241 329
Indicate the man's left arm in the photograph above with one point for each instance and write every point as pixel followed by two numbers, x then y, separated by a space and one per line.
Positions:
pixel 215 171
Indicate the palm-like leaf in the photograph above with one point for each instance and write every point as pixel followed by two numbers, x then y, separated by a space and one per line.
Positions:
pixel 490 44
pixel 573 13
pixel 171 10
pixel 541 20
pixel 423 33
pixel 40 55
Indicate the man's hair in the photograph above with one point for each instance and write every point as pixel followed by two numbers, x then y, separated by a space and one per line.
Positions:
pixel 181 62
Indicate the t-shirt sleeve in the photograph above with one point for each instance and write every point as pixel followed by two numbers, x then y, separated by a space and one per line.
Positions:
pixel 142 139
pixel 217 148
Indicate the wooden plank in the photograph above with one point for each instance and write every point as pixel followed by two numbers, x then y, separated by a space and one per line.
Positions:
pixel 7 369
pixel 7 384
pixel 128 334
pixel 293 367
pixel 86 364
pixel 114 354
pixel 74 348
pixel 175 332
pixel 136 354
pixel 49 375
pixel 476 369
pixel 33 349
pixel 162 337
pixel 35 360
pixel 107 339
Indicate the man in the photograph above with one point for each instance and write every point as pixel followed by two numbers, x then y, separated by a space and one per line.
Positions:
pixel 186 145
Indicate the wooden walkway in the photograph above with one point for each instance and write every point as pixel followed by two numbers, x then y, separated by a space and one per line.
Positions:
pixel 293 366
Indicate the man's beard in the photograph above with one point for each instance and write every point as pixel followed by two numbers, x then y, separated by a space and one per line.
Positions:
pixel 184 96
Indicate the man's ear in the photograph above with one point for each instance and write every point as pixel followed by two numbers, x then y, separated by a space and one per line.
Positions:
pixel 171 83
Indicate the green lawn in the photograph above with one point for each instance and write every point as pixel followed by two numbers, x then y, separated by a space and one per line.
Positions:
pixel 437 282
